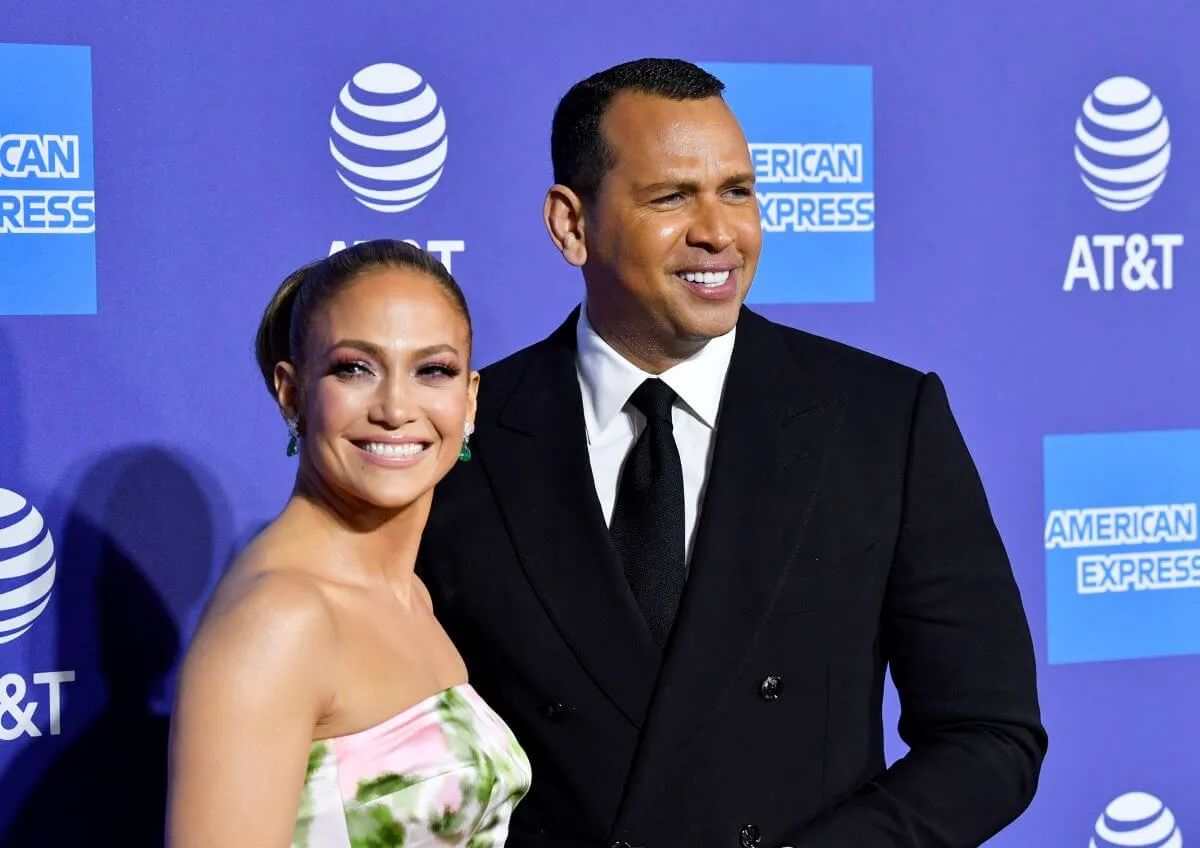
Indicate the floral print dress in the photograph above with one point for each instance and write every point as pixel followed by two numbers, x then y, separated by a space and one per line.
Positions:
pixel 446 772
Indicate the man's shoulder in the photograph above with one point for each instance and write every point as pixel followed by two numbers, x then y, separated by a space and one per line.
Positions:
pixel 509 368
pixel 498 380
pixel 836 360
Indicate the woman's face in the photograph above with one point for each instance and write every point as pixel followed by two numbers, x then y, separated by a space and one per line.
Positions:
pixel 385 391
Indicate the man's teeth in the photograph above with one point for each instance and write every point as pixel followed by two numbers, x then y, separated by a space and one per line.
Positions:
pixel 705 278
pixel 393 451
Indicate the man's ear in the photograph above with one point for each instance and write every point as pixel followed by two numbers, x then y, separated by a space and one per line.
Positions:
pixel 563 214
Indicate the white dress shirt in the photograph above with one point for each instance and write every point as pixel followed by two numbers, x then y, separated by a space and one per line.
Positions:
pixel 607 381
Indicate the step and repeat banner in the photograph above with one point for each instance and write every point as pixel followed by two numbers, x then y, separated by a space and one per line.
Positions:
pixel 1003 193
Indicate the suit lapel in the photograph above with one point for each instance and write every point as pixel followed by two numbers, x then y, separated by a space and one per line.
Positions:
pixel 537 462
pixel 774 433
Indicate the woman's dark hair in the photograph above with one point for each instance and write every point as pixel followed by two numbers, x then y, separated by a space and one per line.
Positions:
pixel 286 321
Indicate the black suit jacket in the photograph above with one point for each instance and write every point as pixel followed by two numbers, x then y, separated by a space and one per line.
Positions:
pixel 844 529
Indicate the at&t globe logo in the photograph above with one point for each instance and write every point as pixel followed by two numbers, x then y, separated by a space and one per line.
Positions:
pixel 1122 147
pixel 388 137
pixel 1123 144
pixel 26 565
pixel 1137 820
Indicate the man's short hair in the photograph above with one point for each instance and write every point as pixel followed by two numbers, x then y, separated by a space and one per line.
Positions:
pixel 578 150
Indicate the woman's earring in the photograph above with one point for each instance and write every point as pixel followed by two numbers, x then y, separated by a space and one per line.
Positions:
pixel 464 454
pixel 293 425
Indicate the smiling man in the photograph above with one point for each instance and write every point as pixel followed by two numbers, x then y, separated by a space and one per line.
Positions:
pixel 694 540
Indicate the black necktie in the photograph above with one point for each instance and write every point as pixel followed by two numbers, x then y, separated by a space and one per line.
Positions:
pixel 647 522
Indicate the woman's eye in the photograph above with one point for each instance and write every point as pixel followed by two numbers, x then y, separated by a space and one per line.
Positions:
pixel 350 369
pixel 435 369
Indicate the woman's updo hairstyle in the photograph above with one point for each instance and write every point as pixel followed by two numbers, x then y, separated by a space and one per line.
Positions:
pixel 285 323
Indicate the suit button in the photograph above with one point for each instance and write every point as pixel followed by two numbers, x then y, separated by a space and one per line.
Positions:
pixel 750 836
pixel 557 712
pixel 771 688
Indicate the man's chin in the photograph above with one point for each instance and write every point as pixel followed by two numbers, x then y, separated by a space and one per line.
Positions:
pixel 712 320
pixel 700 332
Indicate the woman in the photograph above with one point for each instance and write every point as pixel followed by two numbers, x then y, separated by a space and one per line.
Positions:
pixel 320 702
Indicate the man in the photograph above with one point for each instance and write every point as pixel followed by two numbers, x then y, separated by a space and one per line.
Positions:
pixel 692 540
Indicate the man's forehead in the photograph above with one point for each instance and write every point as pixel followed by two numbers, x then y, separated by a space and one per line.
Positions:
pixel 645 127
pixel 639 110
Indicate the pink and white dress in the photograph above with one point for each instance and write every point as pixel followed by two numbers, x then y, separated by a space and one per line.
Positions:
pixel 445 772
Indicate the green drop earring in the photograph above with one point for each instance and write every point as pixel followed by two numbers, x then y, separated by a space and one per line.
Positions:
pixel 464 453
pixel 293 425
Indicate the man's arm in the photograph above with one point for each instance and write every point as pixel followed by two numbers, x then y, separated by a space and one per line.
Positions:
pixel 955 633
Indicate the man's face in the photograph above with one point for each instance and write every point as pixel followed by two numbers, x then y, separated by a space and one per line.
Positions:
pixel 673 235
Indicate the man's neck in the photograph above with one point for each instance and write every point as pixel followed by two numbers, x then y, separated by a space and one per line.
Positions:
pixel 641 348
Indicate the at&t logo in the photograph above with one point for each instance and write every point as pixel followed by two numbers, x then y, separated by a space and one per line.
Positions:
pixel 1137 820
pixel 27 567
pixel 388 139
pixel 1123 147
pixel 17 711
pixel 1123 144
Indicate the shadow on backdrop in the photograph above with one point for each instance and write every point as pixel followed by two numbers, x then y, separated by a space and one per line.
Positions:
pixel 135 551
pixel 11 420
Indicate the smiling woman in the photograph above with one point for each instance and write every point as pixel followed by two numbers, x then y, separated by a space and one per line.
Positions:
pixel 367 353
pixel 321 702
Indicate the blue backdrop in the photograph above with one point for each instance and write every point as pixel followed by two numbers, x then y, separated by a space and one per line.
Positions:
pixel 1004 193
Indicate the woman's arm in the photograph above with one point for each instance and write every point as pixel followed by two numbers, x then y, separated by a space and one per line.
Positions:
pixel 254 683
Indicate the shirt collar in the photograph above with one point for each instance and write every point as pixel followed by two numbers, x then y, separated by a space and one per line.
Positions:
pixel 608 379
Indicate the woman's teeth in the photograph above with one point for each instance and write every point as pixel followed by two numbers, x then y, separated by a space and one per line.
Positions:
pixel 392 451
